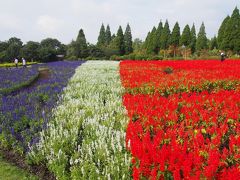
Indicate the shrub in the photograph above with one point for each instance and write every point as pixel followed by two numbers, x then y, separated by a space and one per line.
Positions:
pixel 168 70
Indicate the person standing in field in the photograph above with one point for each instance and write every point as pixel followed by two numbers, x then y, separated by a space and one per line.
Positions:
pixel 222 56
pixel 24 63
pixel 16 62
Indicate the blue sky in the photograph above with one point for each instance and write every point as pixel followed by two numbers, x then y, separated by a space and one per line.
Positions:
pixel 62 19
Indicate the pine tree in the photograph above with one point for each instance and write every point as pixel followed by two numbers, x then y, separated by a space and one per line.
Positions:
pixel 101 37
pixel 186 36
pixel 151 41
pixel 201 39
pixel 120 41
pixel 213 43
pixel 231 40
pixel 175 36
pixel 80 45
pixel 165 36
pixel 128 40
pixel 146 42
pixel 221 32
pixel 113 36
pixel 158 37
pixel 193 39
pixel 108 36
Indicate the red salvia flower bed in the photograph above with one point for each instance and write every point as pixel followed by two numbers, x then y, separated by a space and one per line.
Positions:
pixel 185 75
pixel 185 135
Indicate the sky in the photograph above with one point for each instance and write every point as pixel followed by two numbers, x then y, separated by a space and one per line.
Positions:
pixel 62 19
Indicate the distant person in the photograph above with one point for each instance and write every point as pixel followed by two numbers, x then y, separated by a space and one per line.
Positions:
pixel 222 56
pixel 24 63
pixel 16 62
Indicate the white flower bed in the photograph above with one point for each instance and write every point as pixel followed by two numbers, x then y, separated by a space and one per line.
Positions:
pixel 86 138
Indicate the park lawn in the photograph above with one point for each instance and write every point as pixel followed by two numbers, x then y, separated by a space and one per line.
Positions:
pixel 11 172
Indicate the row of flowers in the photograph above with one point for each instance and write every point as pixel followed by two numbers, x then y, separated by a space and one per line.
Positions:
pixel 184 119
pixel 14 78
pixel 25 113
pixel 170 77
pixel 187 136
pixel 86 137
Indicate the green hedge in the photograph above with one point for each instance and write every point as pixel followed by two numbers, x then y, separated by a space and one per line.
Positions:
pixel 8 65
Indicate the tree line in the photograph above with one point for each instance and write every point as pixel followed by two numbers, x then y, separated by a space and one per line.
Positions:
pixel 161 42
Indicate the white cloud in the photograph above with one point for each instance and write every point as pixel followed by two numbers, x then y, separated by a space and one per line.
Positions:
pixel 49 25
pixel 62 19
pixel 10 22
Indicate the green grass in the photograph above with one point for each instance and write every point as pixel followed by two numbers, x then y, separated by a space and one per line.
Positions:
pixel 10 172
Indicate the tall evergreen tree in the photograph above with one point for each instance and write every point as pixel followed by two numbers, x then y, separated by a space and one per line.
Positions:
pixel 158 37
pixel 175 36
pixel 231 39
pixel 165 36
pixel 151 41
pixel 128 40
pixel 213 43
pixel 221 32
pixel 186 36
pixel 120 41
pixel 146 42
pixel 80 46
pixel 201 39
pixel 193 39
pixel 108 36
pixel 101 37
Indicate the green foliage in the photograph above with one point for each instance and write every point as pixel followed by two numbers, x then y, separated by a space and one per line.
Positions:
pixel 222 33
pixel 81 45
pixel 101 37
pixel 119 41
pixel 175 36
pixel 150 42
pixel 13 49
pixel 128 40
pixel 213 43
pixel 78 49
pixel 108 36
pixel 193 39
pixel 201 43
pixel 231 38
pixel 31 50
pixel 165 36
pixel 8 171
pixel 95 51
pixel 49 49
pixel 137 45
pixel 186 36
pixel 158 37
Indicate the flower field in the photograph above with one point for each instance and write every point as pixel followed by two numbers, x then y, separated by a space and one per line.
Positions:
pixel 15 78
pixel 182 76
pixel 127 120
pixel 191 132
pixel 86 137
pixel 23 114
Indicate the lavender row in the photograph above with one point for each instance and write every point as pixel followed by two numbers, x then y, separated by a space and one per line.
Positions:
pixel 14 78
pixel 25 113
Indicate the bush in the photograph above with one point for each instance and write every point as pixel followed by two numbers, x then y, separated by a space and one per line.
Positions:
pixel 156 58
pixel 72 58
pixel 168 70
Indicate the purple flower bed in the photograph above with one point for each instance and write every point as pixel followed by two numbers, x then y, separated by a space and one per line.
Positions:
pixel 14 78
pixel 25 113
